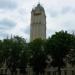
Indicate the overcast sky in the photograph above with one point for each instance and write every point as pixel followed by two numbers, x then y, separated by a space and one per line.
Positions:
pixel 15 16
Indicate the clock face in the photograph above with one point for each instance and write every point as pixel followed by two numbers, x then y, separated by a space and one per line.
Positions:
pixel 36 14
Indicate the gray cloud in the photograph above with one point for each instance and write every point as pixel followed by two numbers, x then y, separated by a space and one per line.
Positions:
pixel 50 32
pixel 3 35
pixel 57 14
pixel 53 13
pixel 66 9
pixel 7 24
pixel 73 10
pixel 26 30
pixel 68 25
pixel 8 4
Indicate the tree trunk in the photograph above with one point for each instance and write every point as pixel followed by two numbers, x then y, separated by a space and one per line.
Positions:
pixel 59 70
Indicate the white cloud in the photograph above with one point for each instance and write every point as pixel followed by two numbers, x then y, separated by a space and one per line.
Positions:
pixel 8 4
pixel 60 15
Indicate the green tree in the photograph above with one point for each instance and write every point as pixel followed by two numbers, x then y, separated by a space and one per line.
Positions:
pixel 71 56
pixel 16 46
pixel 58 47
pixel 38 57
pixel 1 53
pixel 6 46
pixel 24 59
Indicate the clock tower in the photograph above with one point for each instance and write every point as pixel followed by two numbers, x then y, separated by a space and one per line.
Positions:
pixel 38 23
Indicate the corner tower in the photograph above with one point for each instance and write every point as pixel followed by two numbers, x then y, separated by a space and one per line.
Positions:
pixel 38 23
